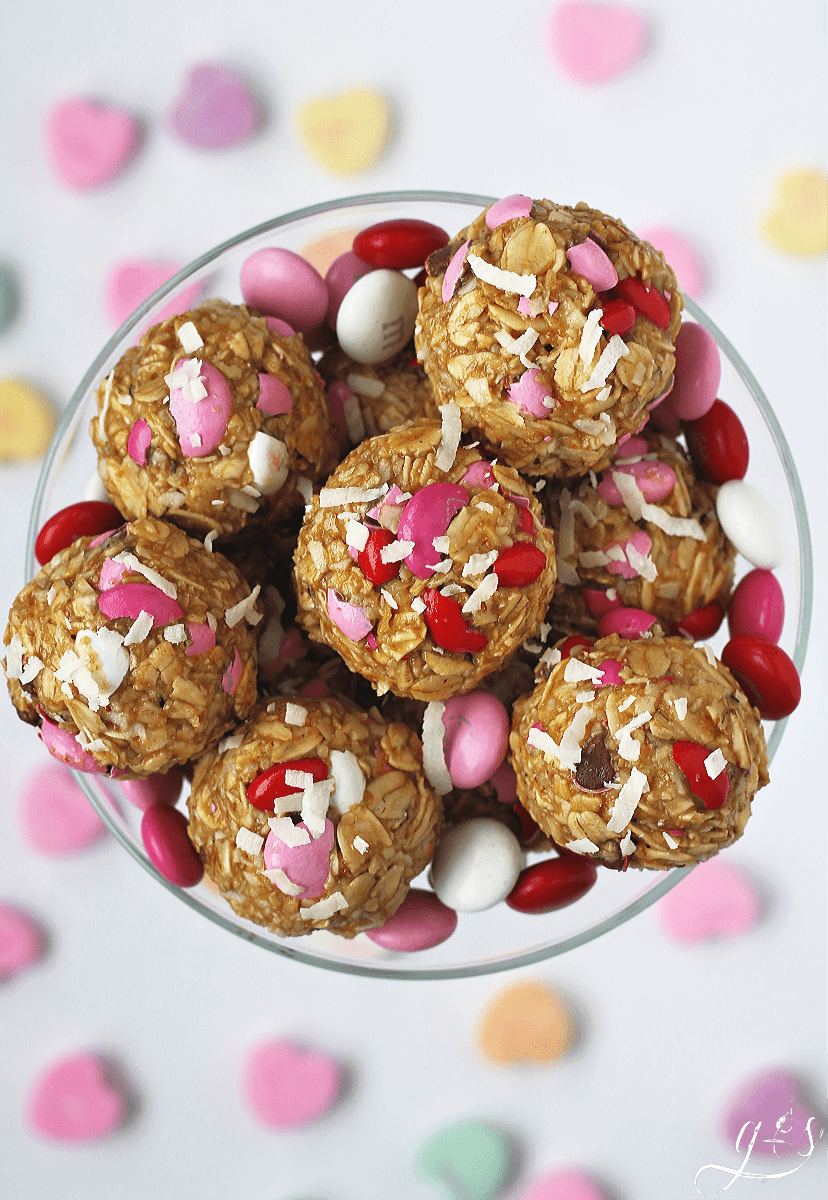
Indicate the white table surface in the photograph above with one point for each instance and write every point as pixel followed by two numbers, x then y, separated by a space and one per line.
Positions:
pixel 727 97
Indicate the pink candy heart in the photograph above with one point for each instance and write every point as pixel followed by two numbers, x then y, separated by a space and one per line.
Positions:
pixel 563 1185
pixel 593 43
pixel 287 1086
pixel 770 1105
pixel 216 109
pixel 89 143
pixel 74 1101
pixel 133 281
pixel 21 941
pixel 56 816
pixel 715 900
pixel 682 257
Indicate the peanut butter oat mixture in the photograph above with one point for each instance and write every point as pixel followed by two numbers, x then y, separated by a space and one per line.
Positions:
pixel 376 399
pixel 230 432
pixel 142 647
pixel 615 549
pixel 597 762
pixel 516 338
pixel 369 830
pixel 443 618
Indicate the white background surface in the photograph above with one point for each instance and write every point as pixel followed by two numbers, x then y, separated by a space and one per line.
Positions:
pixel 727 97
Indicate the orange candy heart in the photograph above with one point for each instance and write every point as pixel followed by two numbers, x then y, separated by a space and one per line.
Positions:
pixel 526 1023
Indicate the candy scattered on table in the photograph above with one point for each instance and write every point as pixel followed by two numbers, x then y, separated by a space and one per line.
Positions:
pixel 563 1185
pixel 9 296
pixel 421 921
pixel 716 900
pixel 526 1023
pixel 215 109
pixel 348 132
pixel 21 941
pixel 798 222
pixel 26 421
pixel 468 1161
pixel 594 43
pixel 287 1086
pixel 76 1101
pixel 133 280
pixel 772 1106
pixel 55 815
pixel 682 257
pixel 88 143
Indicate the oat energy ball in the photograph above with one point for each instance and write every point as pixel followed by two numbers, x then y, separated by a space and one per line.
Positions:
pixel 423 564
pixel 213 421
pixel 645 753
pixel 133 653
pixel 643 535
pixel 553 329
pixel 315 815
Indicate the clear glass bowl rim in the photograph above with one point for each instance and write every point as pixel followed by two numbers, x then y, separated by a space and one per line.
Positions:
pixel 367 968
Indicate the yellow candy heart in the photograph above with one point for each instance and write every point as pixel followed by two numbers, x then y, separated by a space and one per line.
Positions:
pixel 526 1023
pixel 26 421
pixel 346 133
pixel 799 222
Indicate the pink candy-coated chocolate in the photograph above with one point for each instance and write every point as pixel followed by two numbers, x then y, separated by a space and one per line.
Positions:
pixel 315 688
pixel 338 393
pixel 530 395
pixel 111 573
pixel 631 446
pixel 421 921
pixel 131 599
pixel 656 481
pixel 155 789
pixel 507 209
pixel 230 678
pixel 628 623
pixel 427 515
pixel 757 606
pixel 277 325
pixel 164 834
pixel 287 1087
pixel 611 677
pixel 279 283
pixel 599 602
pixel 640 542
pixel 138 442
pixel 480 474
pixel 74 1101
pixel 348 618
pixel 504 782
pixel 203 639
pixel 453 272
pixel 65 747
pixel 698 372
pixel 592 262
pixel 306 866
pixel 340 277
pixel 715 900
pixel 201 424
pixel 274 397
pixel 55 815
pixel 21 941
pixel 476 739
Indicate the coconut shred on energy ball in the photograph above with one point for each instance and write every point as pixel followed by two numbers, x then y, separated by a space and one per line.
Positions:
pixel 475 483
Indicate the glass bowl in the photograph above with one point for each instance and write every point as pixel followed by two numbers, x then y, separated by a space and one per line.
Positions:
pixel 500 938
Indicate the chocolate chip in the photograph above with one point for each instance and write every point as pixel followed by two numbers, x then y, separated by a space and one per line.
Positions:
pixel 437 262
pixel 595 770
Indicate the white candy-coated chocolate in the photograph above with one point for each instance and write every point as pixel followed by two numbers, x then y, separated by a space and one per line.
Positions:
pixel 476 865
pixel 750 522
pixel 376 317
pixel 269 462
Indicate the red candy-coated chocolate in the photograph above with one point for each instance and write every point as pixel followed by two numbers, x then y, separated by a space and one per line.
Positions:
pixel 577 639
pixel 701 623
pixel 618 316
pixel 718 444
pixel 87 518
pixel 552 884
pixel 399 244
pixel 270 785
pixel 447 625
pixel 370 559
pixel 164 834
pixel 519 565
pixel 767 676
pixel 691 756
pixel 529 828
pixel 647 301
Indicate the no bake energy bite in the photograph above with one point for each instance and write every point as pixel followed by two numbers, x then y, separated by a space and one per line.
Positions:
pixel 133 652
pixel 314 815
pixel 644 753
pixel 423 564
pixel 213 421
pixel 552 328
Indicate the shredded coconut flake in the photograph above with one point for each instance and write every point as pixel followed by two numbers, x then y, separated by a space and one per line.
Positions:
pixel 280 880
pixel 295 714
pixel 32 669
pixel 626 801
pixel 139 629
pixel 715 763
pixel 284 829
pixel 582 846
pixel 134 564
pixel 175 634
pixel 640 509
pixel 356 535
pixel 365 386
pixel 451 429
pixel 628 748
pixel 105 405
pixel 230 743
pixel 245 608
pixel 680 705
pixel 418 604
pixel 317 553
pixel 354 420
pixel 590 336
pixel 388 598
pixel 568 754
pixel 481 594
pixel 434 759
pixel 396 551
pixel 249 841
pixel 627 845
pixel 359 844
pixel 507 281
pixel 324 908
pixel 334 497
pixel 576 671
pixel 567 575
pixel 210 538
pixel 671 842
pixel 304 488
pixel 189 337
pixel 479 564
pixel 614 350
pixel 709 655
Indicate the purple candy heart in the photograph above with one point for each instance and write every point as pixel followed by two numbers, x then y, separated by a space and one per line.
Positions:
pixel 216 109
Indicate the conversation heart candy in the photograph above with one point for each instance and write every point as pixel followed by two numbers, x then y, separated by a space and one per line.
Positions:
pixel 468 1161
pixel 21 941
pixel 89 143
pixel 133 280
pixel 771 1106
pixel 715 900
pixel 287 1086
pixel 682 256
pixel 526 1023
pixel 593 43
pixel 55 815
pixel 75 1100
pixel 563 1185
pixel 215 109
pixel 26 421
pixel 9 296
pixel 346 133
pixel 798 222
